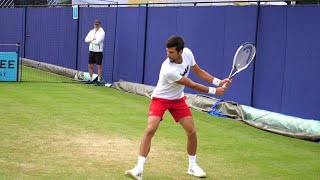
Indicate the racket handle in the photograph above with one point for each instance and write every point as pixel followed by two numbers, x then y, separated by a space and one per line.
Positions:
pixel 224 85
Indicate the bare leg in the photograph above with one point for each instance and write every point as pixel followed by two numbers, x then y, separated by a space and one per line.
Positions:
pixel 188 124
pixel 90 67
pixel 99 70
pixel 153 124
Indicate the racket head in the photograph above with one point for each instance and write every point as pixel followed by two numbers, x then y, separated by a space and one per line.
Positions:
pixel 243 57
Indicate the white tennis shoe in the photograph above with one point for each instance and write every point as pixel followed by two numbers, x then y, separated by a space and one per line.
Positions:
pixel 196 171
pixel 134 173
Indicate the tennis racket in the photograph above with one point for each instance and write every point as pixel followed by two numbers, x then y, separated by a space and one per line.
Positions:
pixel 242 58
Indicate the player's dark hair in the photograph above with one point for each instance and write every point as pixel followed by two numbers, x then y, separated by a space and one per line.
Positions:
pixel 175 41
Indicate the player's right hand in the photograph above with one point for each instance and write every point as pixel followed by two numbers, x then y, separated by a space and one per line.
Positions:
pixel 225 82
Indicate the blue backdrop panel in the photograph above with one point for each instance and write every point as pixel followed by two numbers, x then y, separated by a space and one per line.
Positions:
pixel 187 22
pixel 11 28
pixel 301 85
pixel 212 33
pixel 203 30
pixel 108 17
pixel 129 48
pixel 162 23
pixel 240 27
pixel 270 58
pixel 51 36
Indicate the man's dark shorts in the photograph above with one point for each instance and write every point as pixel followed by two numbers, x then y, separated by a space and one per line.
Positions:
pixel 95 58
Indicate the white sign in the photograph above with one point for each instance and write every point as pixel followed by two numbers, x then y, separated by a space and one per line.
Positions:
pixel 75 12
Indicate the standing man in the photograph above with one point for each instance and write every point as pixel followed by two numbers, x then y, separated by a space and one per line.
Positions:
pixel 169 95
pixel 95 39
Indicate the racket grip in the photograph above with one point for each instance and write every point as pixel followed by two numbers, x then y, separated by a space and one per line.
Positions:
pixel 224 85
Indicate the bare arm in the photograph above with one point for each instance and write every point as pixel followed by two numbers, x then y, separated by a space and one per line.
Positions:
pixel 199 87
pixel 202 74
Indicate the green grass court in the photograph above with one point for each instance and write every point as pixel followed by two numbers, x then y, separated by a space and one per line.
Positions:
pixel 54 130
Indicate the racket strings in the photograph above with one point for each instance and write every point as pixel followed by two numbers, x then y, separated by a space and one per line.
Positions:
pixel 244 57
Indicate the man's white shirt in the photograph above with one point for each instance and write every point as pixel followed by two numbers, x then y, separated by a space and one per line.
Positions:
pixel 167 88
pixel 97 44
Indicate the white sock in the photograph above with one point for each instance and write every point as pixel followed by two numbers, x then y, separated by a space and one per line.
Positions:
pixel 141 161
pixel 90 78
pixel 99 78
pixel 192 160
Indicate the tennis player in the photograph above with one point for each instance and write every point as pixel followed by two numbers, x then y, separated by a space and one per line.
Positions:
pixel 169 95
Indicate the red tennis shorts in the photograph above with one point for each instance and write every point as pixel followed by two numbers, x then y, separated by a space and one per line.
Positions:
pixel 177 107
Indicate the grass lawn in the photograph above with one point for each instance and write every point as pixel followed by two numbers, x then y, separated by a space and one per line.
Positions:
pixel 52 130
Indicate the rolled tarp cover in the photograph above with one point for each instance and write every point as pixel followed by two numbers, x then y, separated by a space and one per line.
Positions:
pixel 282 124
pixel 71 73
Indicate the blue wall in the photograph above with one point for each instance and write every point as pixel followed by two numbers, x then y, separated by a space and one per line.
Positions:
pixel 129 45
pixel 288 60
pixel 11 28
pixel 270 58
pixel 285 79
pixel 51 36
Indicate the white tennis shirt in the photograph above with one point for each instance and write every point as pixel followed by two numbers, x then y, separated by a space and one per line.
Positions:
pixel 170 73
